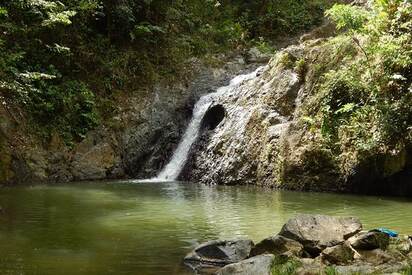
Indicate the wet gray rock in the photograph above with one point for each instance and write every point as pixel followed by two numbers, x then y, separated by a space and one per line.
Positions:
pixel 258 265
pixel 94 158
pixel 218 253
pixel 277 245
pixel 239 150
pixel 338 254
pixel 318 232
pixel 30 166
pixel 370 240
pixel 157 121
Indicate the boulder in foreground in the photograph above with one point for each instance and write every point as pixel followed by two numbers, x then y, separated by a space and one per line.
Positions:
pixel 308 245
pixel 258 265
pixel 218 253
pixel 316 232
pixel 278 245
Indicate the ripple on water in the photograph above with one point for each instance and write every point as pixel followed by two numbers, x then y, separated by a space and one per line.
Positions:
pixel 124 228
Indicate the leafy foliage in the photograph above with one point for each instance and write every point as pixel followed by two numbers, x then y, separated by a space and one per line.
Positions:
pixel 282 266
pixel 348 17
pixel 331 270
pixel 32 64
pixel 81 52
pixel 68 108
pixel 366 105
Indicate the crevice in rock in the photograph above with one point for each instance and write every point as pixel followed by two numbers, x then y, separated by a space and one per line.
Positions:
pixel 213 117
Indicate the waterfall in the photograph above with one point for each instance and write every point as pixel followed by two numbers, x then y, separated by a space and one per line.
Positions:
pixel 175 166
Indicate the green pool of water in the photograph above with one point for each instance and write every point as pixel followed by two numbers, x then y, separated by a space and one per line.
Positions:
pixel 147 228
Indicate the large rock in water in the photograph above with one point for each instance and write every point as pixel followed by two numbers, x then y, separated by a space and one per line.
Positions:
pixel 316 232
pixel 278 245
pixel 259 265
pixel 218 253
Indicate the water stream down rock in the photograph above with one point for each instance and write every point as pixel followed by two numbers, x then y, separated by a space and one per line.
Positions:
pixel 175 166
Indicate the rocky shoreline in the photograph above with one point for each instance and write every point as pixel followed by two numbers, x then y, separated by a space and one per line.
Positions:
pixel 308 244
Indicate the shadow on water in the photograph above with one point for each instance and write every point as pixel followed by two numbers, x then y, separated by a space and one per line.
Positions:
pixel 134 227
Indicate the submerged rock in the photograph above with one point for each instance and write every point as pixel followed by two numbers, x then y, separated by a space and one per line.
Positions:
pixel 318 232
pixel 277 245
pixel 218 253
pixel 258 265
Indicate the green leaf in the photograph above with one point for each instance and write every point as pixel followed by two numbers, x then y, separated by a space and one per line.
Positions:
pixel 43 4
pixel 3 12
pixel 62 18
pixel 32 76
pixel 308 120
pixel 347 108
pixel 348 17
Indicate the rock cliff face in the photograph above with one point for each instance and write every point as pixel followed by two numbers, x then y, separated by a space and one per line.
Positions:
pixel 136 142
pixel 267 139
pixel 259 141
pixel 260 133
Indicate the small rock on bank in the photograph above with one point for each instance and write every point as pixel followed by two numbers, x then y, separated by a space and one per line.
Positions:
pixel 258 265
pixel 338 254
pixel 278 245
pixel 218 253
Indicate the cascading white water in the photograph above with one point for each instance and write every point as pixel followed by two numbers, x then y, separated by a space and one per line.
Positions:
pixel 173 169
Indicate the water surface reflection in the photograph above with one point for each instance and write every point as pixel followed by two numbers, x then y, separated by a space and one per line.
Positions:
pixel 146 228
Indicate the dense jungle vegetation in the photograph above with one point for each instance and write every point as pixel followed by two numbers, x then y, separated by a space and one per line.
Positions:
pixel 63 65
pixel 62 61
pixel 362 109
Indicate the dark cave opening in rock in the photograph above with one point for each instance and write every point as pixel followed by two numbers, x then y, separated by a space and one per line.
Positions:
pixel 213 117
pixel 383 175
